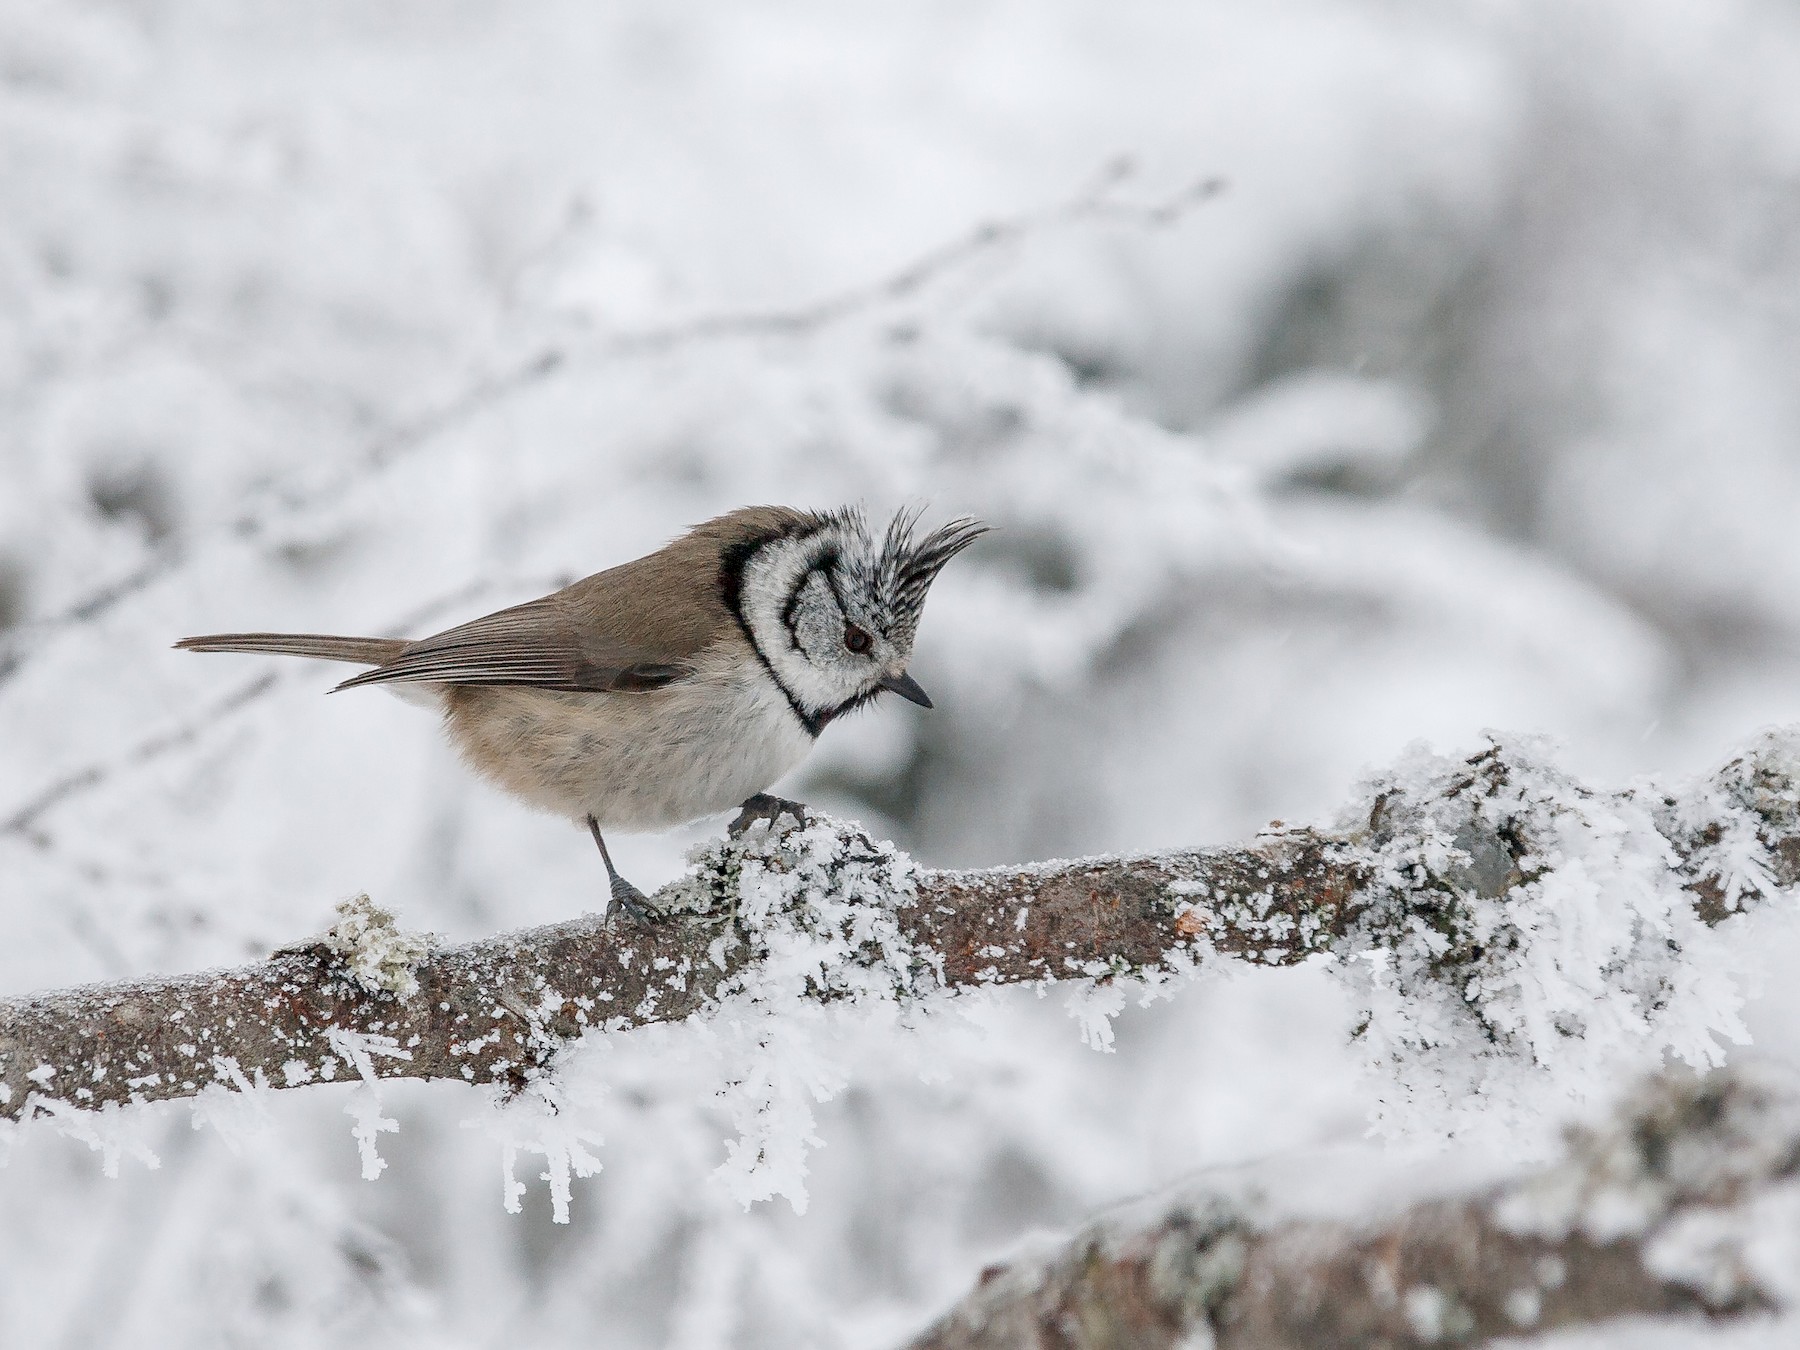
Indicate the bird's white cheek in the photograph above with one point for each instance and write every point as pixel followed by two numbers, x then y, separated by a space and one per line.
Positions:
pixel 768 588
pixel 813 688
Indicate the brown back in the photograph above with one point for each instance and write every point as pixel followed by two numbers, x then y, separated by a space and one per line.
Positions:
pixel 635 626
pixel 669 601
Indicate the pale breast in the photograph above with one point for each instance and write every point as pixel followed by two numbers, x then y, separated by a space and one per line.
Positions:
pixel 641 760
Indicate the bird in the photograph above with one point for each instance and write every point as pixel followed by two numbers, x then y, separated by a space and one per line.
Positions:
pixel 674 686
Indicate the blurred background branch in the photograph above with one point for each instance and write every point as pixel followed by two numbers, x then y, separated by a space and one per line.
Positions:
pixel 1095 202
pixel 1658 1213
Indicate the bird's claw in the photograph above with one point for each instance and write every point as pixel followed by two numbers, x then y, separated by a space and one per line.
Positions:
pixel 629 898
pixel 763 807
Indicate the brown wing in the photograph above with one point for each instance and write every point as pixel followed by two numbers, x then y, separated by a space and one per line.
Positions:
pixel 532 644
pixel 636 626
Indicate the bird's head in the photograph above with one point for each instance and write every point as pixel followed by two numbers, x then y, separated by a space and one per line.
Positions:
pixel 833 608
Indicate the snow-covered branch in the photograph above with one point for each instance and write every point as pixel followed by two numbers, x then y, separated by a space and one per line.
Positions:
pixel 1685 1202
pixel 1491 890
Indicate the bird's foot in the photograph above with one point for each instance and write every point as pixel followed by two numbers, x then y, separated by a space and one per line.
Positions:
pixel 625 896
pixel 766 808
pixel 629 898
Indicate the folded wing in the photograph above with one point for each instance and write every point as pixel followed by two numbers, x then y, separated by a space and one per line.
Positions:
pixel 533 644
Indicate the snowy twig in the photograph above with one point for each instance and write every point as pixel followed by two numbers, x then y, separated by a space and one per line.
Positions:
pixel 84 779
pixel 24 819
pixel 1687 1201
pixel 1095 202
pixel 273 503
pixel 1453 874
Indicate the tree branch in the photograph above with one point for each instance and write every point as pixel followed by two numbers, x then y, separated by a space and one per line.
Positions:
pixel 1436 860
pixel 1646 1215
pixel 1649 1215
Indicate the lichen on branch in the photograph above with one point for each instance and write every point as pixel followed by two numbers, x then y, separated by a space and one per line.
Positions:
pixel 1499 922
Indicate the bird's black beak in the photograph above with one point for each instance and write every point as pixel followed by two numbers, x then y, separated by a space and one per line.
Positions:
pixel 907 687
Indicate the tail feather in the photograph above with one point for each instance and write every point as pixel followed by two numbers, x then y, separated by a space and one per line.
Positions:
pixel 363 651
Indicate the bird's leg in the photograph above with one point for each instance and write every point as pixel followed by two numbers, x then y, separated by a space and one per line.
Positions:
pixel 764 807
pixel 625 896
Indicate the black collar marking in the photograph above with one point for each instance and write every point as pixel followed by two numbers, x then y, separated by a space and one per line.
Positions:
pixel 850 704
pixel 731 589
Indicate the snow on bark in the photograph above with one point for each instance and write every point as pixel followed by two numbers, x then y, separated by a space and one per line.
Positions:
pixel 1518 931
pixel 1686 1201
pixel 1508 930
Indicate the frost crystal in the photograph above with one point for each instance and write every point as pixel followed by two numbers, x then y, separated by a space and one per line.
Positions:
pixel 1725 824
pixel 364 1103
pixel 235 1112
pixel 113 1131
pixel 540 1120
pixel 814 904
pixel 1527 937
pixel 1093 1004
pixel 376 952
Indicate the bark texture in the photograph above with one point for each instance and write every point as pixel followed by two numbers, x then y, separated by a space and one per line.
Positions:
pixel 498 1010
pixel 1647 1216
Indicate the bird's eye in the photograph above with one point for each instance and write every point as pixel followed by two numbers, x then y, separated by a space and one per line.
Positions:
pixel 857 639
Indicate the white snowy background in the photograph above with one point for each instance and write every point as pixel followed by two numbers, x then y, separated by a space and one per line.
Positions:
pixel 1468 401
